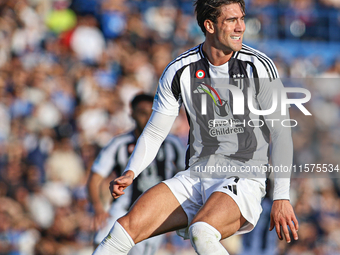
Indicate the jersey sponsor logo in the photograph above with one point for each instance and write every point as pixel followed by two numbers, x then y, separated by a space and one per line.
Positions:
pixel 222 127
pixel 221 106
pixel 222 109
pixel 200 74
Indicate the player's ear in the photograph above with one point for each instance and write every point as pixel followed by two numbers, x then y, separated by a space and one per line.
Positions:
pixel 209 26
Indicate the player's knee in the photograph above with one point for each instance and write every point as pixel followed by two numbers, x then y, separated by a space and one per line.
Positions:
pixel 126 223
pixel 130 225
pixel 204 238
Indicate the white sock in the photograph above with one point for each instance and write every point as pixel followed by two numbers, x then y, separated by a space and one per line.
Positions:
pixel 206 239
pixel 117 242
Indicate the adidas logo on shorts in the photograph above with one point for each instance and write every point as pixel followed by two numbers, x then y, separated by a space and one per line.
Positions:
pixel 232 188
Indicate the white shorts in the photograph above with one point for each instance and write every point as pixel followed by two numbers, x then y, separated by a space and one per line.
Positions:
pixel 148 247
pixel 192 192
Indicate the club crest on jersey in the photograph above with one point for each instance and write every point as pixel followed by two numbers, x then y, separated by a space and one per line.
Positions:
pixel 239 79
pixel 238 75
pixel 200 74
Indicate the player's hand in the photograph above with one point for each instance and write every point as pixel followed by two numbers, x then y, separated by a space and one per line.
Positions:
pixel 118 185
pixel 282 215
pixel 100 218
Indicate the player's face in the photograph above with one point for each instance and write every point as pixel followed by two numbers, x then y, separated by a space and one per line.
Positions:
pixel 142 113
pixel 229 28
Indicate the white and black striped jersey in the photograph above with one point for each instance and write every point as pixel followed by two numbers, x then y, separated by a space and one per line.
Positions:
pixel 214 128
pixel 114 157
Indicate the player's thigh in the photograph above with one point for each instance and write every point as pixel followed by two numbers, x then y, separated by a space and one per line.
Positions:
pixel 155 212
pixel 221 212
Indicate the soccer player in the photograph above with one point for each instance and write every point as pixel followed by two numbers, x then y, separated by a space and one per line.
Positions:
pixel 212 80
pixel 113 159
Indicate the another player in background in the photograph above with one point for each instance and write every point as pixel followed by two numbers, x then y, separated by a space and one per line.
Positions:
pixel 113 159
pixel 260 240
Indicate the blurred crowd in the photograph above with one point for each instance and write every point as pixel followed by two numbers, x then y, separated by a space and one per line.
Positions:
pixel 68 70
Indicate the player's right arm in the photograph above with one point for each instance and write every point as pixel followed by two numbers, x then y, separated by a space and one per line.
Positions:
pixel 165 110
pixel 154 133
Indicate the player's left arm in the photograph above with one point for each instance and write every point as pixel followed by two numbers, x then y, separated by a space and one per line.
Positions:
pixel 101 169
pixel 282 214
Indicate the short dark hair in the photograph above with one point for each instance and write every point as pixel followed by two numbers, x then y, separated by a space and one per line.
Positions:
pixel 140 98
pixel 211 10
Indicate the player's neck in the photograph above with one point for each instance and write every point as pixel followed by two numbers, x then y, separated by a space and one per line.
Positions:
pixel 216 56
